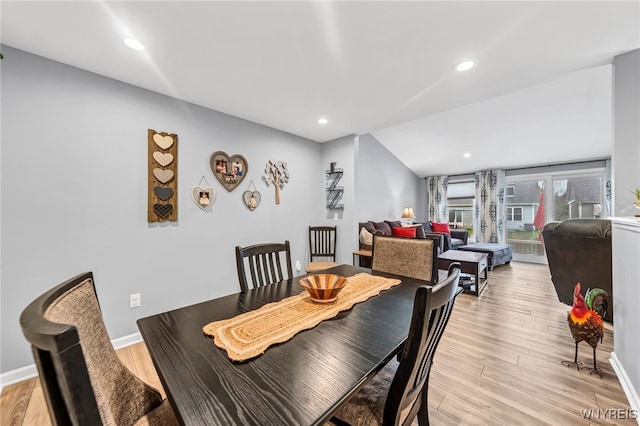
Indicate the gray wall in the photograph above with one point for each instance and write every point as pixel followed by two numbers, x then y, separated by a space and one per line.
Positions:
pixel 626 132
pixel 341 151
pixel 626 177
pixel 384 185
pixel 74 185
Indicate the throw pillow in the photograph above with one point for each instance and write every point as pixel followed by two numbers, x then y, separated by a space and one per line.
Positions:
pixel 394 223
pixel 427 227
pixel 441 227
pixel 368 226
pixel 383 227
pixel 404 232
pixel 366 237
pixel 419 231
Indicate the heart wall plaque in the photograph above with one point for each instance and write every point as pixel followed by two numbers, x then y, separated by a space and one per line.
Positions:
pixel 162 167
pixel 251 199
pixel 228 170
pixel 203 196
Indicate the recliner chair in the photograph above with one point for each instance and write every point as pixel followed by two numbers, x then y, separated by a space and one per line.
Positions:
pixel 579 250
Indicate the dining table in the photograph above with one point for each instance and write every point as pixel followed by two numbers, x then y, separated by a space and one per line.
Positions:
pixel 302 381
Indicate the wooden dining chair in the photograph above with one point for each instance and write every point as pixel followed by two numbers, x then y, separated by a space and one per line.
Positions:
pixel 409 257
pixel 399 392
pixel 83 380
pixel 322 245
pixel 265 264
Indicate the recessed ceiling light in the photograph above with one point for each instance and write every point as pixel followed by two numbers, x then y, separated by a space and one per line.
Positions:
pixel 134 44
pixel 322 121
pixel 466 155
pixel 466 65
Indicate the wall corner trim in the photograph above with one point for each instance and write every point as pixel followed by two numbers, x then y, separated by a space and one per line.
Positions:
pixel 625 382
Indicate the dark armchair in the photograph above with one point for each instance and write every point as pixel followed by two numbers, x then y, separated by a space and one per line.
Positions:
pixel 579 250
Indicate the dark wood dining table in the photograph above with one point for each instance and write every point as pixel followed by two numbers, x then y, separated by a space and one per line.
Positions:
pixel 300 382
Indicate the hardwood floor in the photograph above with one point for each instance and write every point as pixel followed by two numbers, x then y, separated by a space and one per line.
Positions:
pixel 499 363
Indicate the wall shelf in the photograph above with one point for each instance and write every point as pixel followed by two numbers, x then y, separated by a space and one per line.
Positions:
pixel 334 192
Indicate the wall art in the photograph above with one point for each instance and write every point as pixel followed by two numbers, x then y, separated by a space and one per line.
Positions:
pixel 203 194
pixel 251 198
pixel 229 170
pixel 162 196
pixel 276 173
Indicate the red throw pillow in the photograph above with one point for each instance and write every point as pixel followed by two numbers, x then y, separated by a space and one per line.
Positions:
pixel 404 232
pixel 441 227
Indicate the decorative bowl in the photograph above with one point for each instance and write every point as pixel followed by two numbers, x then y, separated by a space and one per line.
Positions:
pixel 323 288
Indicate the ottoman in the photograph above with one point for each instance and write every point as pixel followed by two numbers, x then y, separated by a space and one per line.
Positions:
pixel 497 253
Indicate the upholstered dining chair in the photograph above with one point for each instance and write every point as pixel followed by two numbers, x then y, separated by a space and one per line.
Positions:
pixel 265 264
pixel 322 246
pixel 398 393
pixel 83 380
pixel 409 257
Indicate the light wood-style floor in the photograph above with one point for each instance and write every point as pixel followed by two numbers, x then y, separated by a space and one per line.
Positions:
pixel 499 363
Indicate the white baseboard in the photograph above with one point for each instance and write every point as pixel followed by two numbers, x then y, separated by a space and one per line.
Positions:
pixel 625 382
pixel 24 373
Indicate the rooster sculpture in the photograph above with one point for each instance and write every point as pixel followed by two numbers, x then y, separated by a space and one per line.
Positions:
pixel 585 321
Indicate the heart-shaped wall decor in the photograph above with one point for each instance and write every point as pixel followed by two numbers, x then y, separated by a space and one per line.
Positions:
pixel 203 196
pixel 163 193
pixel 229 170
pixel 163 210
pixel 251 199
pixel 163 175
pixel 163 142
pixel 163 158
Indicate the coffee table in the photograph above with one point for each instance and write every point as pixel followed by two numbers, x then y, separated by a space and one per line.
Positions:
pixel 471 263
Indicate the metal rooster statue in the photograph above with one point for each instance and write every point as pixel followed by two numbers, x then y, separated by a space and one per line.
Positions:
pixel 585 322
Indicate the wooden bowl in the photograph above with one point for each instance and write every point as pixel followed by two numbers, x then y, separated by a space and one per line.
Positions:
pixel 323 288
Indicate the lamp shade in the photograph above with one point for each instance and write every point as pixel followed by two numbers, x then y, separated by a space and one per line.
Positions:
pixel 407 213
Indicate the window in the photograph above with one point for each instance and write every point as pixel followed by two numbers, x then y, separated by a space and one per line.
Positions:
pixel 460 204
pixel 577 197
pixel 510 190
pixel 514 214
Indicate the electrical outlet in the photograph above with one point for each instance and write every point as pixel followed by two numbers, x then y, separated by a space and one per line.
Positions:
pixel 134 300
pixel 298 266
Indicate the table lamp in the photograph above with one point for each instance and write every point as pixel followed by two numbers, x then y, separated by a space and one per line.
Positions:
pixel 407 213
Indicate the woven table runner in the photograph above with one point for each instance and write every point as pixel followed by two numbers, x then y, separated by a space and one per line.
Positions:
pixel 249 334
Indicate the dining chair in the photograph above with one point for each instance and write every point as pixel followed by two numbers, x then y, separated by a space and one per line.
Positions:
pixel 322 245
pixel 83 380
pixel 398 393
pixel 409 257
pixel 265 264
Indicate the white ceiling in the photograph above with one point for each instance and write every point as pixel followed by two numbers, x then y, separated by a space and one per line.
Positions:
pixel 540 94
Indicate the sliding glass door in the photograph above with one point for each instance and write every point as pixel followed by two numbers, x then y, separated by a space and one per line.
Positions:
pixel 526 218
pixel 536 199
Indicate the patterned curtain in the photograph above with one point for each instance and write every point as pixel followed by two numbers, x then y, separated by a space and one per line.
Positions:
pixel 489 221
pixel 437 199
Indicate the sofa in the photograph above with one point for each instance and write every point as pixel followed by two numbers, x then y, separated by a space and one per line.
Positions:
pixel 579 250
pixel 446 241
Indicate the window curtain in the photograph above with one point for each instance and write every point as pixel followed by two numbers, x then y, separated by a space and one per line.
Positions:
pixel 437 198
pixel 489 220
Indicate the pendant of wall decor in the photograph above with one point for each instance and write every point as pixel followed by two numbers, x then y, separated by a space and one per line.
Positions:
pixel 229 170
pixel 277 174
pixel 203 194
pixel 251 198
pixel 162 162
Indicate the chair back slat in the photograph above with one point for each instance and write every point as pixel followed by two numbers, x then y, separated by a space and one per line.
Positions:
pixel 265 264
pixel 409 257
pixel 322 242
